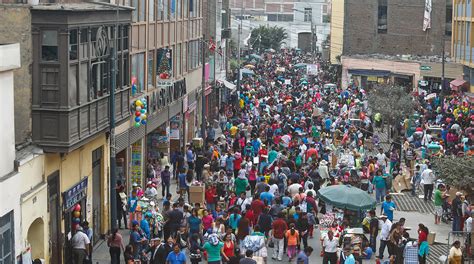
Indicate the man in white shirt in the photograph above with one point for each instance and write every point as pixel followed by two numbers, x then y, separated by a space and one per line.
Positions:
pixel 80 246
pixel 384 234
pixel 294 189
pixel 330 248
pixel 428 178
pixel 381 160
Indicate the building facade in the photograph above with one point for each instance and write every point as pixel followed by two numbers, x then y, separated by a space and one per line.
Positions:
pixel 381 40
pixel 306 22
pixel 462 49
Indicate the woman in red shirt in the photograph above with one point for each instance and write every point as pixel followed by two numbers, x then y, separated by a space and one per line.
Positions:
pixel 229 247
pixel 422 233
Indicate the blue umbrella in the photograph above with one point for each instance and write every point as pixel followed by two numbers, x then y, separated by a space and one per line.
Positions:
pixel 300 65
pixel 247 71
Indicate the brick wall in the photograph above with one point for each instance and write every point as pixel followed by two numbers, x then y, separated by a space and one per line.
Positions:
pixel 404 22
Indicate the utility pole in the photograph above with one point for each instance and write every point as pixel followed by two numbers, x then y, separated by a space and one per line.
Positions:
pixel 203 85
pixel 442 66
pixel 113 164
pixel 239 32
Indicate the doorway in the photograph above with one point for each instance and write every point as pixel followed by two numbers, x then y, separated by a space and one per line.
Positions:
pixel 96 193
pixel 54 219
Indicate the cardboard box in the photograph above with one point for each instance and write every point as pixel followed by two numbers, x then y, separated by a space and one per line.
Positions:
pixel 196 194
pixel 431 238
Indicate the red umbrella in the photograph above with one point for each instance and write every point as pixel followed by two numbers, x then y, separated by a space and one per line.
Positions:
pixel 419 129
pixel 312 151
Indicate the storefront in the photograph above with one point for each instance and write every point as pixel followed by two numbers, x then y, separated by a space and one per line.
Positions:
pixel 136 161
pixel 74 212
pixel 157 143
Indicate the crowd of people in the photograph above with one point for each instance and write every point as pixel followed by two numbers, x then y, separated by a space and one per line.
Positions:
pixel 286 135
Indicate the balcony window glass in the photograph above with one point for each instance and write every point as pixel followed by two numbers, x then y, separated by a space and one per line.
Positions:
pixel 172 9
pixel 125 38
pixel 138 74
pixel 165 9
pixel 178 59
pixel 73 44
pixel 159 13
pixel 142 11
pixel 49 45
pixel 151 10
pixel 100 79
pixel 185 8
pixel 308 14
pixel 150 74
pixel 135 11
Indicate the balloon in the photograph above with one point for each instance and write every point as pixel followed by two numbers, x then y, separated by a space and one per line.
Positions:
pixel 137 113
pixel 143 116
pixel 77 207
pixel 134 80
pixel 143 122
pixel 76 220
pixel 143 111
pixel 76 214
pixel 137 119
pixel 137 124
pixel 144 100
pixel 138 103
pixel 138 108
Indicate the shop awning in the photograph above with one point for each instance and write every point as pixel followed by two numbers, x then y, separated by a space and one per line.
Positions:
pixel 455 84
pixel 227 84
pixel 364 72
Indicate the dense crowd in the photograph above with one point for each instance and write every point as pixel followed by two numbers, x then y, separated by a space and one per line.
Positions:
pixel 283 138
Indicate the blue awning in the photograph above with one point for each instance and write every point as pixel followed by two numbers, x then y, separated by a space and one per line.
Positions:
pixel 363 72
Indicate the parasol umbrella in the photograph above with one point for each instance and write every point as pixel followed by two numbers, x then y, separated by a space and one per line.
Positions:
pixel 300 65
pixel 347 197
pixel 304 82
pixel 255 56
pixel 270 50
pixel 249 66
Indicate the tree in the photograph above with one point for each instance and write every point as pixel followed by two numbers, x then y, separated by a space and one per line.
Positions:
pixel 266 37
pixel 392 102
pixel 456 171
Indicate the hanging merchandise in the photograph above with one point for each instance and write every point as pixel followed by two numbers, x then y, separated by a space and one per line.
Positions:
pixel 140 107
pixel 76 216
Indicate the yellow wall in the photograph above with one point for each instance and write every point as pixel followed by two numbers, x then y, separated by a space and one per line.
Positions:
pixel 75 166
pixel 337 29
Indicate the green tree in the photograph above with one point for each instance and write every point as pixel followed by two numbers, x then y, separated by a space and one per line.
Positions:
pixel 392 102
pixel 456 171
pixel 266 37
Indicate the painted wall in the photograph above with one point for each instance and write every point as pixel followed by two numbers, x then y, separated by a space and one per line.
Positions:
pixel 337 30
pixel 74 166
pixel 18 19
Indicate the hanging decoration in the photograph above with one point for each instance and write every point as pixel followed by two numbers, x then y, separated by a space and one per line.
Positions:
pixel 76 216
pixel 140 107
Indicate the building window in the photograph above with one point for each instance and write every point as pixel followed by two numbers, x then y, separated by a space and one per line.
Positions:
pixel 178 9
pixel 449 19
pixel 49 45
pixel 308 14
pixel 382 17
pixel 7 239
pixel 138 73
pixel 280 17
pixel 151 78
pixel 185 8
pixel 73 43
pixel 151 10
pixel 142 11
pixel 184 56
pixel 172 9
pixel 100 79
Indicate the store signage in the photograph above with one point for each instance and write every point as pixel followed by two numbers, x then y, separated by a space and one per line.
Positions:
pixel 166 95
pixel 75 194
pixel 425 68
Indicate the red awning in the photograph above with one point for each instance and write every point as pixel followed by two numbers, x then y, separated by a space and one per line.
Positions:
pixel 455 84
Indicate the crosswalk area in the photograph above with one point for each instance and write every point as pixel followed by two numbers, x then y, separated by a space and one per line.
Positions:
pixel 408 203
pixel 437 250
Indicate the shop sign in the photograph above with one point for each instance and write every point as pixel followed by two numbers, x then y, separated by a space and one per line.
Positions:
pixel 425 68
pixel 75 194
pixel 372 78
pixel 165 95
pixel 136 168
pixel 312 69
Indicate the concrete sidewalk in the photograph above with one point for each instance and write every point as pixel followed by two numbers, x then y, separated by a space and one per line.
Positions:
pixel 101 254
